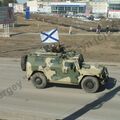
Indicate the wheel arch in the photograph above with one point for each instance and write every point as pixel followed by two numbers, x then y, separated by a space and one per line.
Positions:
pixel 38 79
pixel 80 81
pixel 36 71
pixel 90 84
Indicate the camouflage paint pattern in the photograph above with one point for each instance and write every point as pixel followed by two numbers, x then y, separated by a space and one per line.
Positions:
pixel 61 68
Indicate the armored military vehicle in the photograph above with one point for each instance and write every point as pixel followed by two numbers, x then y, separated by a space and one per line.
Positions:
pixel 67 68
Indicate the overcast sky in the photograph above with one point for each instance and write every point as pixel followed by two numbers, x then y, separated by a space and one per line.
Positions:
pixel 21 1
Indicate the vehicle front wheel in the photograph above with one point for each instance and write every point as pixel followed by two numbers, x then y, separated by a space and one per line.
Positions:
pixel 90 84
pixel 39 80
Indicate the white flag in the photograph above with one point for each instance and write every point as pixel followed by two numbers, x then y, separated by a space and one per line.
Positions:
pixel 50 36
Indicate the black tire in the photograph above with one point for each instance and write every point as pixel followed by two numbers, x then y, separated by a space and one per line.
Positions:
pixel 39 80
pixel 23 62
pixel 90 84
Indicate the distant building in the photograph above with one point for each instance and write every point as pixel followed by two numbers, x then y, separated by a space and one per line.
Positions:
pixel 33 4
pixel 44 7
pixel 18 8
pixel 39 6
pixel 114 8
pixel 68 7
pixel 59 0
pixel 100 7
pixel 107 8
pixel 57 7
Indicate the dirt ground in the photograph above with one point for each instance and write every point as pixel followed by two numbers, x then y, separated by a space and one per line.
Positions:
pixel 94 47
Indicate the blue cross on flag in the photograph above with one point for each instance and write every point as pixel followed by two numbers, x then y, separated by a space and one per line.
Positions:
pixel 50 36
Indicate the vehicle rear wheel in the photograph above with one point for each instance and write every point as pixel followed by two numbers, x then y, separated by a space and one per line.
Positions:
pixel 39 80
pixel 90 84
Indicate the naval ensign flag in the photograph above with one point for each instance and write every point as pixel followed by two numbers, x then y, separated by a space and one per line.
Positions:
pixel 50 36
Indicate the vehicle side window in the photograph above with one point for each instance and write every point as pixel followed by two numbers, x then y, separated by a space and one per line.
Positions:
pixel 55 61
pixel 69 65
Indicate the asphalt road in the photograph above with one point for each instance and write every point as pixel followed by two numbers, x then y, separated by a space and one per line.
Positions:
pixel 19 100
